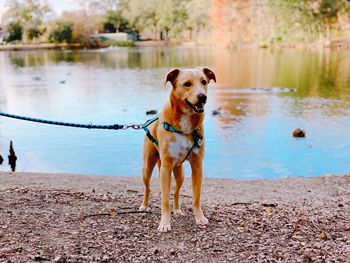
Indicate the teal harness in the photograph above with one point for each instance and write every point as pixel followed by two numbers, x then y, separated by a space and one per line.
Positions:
pixel 148 133
pixel 197 137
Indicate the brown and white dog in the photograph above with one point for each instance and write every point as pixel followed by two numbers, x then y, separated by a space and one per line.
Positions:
pixel 185 112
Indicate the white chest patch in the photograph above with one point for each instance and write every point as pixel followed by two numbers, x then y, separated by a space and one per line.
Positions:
pixel 179 148
pixel 185 124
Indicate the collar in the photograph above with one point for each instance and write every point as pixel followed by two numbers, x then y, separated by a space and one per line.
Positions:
pixel 169 127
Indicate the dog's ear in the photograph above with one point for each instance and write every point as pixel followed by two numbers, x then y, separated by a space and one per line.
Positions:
pixel 209 73
pixel 171 76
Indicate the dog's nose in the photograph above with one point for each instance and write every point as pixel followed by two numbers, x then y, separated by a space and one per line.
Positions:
pixel 202 98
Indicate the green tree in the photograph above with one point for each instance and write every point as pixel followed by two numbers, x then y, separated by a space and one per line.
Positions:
pixel 15 32
pixel 295 21
pixel 171 16
pixel 141 15
pixel 31 14
pixel 165 18
pixel 62 33
pixel 197 13
pixel 328 15
pixel 310 20
pixel 33 33
pixel 115 22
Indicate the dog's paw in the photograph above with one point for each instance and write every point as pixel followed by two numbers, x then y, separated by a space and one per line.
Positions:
pixel 144 208
pixel 164 227
pixel 201 220
pixel 178 212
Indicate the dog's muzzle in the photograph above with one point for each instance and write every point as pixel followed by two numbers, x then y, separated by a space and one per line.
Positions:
pixel 199 106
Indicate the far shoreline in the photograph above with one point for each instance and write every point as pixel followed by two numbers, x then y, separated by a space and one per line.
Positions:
pixel 20 47
pixel 337 45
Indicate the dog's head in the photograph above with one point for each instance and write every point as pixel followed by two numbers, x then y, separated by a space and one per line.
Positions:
pixel 189 86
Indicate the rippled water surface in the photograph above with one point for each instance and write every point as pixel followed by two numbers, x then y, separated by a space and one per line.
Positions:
pixel 263 95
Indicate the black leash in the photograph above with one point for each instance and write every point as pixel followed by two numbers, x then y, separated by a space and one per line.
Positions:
pixel 74 125
pixel 197 137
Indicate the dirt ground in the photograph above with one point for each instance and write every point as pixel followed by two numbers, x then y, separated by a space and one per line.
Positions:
pixel 71 218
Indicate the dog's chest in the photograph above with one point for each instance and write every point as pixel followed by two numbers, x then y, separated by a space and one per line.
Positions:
pixel 180 147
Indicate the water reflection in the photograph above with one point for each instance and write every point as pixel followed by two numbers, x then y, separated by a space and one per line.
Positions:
pixel 263 96
pixel 325 74
pixel 114 58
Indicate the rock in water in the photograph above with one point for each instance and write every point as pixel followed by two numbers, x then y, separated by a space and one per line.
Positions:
pixel 216 112
pixel 12 158
pixel 298 133
pixel 151 112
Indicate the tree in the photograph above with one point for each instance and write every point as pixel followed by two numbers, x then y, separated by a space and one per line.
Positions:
pixel 35 13
pixel 15 32
pixel 141 15
pixel 83 24
pixel 62 33
pixel 108 27
pixel 234 21
pixel 197 15
pixel 33 33
pixel 165 18
pixel 171 17
pixel 295 21
pixel 87 20
pixel 328 15
pixel 115 22
pixel 32 15
pixel 98 7
pixel 313 18
pixel 266 22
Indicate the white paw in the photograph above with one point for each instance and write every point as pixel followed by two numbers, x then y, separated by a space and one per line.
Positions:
pixel 164 227
pixel 178 212
pixel 144 208
pixel 201 220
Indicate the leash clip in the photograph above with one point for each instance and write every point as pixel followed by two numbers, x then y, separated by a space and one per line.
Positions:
pixel 134 126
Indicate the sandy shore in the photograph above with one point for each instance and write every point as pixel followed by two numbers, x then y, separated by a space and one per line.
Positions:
pixel 66 218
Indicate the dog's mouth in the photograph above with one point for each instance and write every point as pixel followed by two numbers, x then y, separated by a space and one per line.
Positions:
pixel 198 107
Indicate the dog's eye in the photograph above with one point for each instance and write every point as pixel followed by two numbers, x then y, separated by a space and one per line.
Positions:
pixel 187 84
pixel 204 82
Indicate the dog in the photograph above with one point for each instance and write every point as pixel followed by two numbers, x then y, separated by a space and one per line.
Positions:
pixel 177 136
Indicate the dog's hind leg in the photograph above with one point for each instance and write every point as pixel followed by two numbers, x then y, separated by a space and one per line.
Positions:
pixel 150 158
pixel 179 179
pixel 159 164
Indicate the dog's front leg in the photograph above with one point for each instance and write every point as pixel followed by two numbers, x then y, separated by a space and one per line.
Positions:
pixel 165 180
pixel 197 177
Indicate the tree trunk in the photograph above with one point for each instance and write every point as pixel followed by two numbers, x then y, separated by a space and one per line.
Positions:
pixel 167 35
pixel 328 36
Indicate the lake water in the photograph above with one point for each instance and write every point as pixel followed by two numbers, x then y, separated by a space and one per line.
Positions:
pixel 264 95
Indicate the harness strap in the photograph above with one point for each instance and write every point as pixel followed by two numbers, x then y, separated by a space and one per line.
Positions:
pixel 169 127
pixel 148 133
pixel 197 142
pixel 197 137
